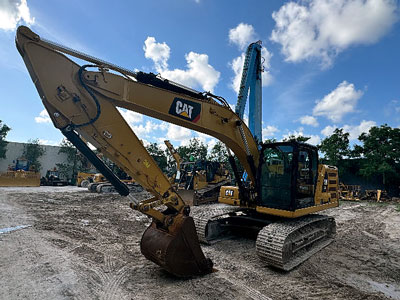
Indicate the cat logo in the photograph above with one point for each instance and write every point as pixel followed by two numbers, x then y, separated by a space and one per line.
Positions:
pixel 229 193
pixel 185 109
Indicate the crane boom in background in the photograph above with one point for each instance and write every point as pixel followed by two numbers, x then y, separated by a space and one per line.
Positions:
pixel 251 79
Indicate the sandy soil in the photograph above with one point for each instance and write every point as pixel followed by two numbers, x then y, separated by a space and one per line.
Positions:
pixel 80 245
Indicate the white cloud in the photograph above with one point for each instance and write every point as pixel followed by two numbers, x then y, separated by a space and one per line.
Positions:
pixel 178 133
pixel 237 67
pixel 269 131
pixel 207 140
pixel 393 109
pixel 163 126
pixel 199 72
pixel 242 35
pixel 323 28
pixel 131 117
pixel 150 127
pixel 295 133
pixel 13 12
pixel 339 102
pixel 328 130
pixel 354 130
pixel 309 120
pixel 157 52
pixel 145 142
pixel 266 58
pixel 314 139
pixel 49 142
pixel 43 117
pixel 211 143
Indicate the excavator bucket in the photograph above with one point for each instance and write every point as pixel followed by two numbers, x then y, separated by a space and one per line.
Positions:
pixel 178 250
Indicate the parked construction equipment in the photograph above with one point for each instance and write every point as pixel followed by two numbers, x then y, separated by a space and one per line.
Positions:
pixel 83 179
pixel 349 192
pixel 198 182
pixel 100 184
pixel 97 179
pixel 286 183
pixel 20 173
pixel 376 195
pixel 354 193
pixel 20 178
pixel 53 178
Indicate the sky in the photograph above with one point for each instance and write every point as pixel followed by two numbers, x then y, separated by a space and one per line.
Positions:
pixel 327 64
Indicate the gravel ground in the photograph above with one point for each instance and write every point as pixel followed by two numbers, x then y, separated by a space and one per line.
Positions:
pixel 66 243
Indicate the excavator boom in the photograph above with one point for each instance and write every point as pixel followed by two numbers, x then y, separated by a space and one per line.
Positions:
pixel 84 103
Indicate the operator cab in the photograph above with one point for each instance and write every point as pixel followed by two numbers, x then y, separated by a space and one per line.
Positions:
pixel 22 164
pixel 288 175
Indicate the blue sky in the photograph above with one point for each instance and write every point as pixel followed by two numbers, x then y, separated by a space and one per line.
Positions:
pixel 327 63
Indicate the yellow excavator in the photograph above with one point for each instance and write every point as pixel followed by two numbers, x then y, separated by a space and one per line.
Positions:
pixel 178 160
pixel 197 182
pixel 285 185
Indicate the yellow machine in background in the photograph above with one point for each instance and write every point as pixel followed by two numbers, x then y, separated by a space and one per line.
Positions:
pixel 197 182
pixel 349 192
pixel 100 184
pixel 97 179
pixel 20 178
pixel 20 174
pixel 83 179
pixel 178 160
pixel 278 203
pixel 53 178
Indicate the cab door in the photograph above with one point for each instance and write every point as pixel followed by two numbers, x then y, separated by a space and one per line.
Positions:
pixel 276 177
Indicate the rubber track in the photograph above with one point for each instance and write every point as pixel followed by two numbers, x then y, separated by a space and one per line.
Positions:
pixel 199 195
pixel 274 241
pixel 202 219
pixel 109 188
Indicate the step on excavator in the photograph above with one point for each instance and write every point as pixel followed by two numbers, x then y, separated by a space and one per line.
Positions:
pixel 286 185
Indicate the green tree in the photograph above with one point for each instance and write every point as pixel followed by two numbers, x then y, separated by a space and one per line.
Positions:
pixel 67 169
pixel 32 152
pixel 335 147
pixel 380 150
pixel 4 129
pixel 196 150
pixel 75 162
pixel 218 153
pixel 159 155
pixel 299 138
pixel 268 141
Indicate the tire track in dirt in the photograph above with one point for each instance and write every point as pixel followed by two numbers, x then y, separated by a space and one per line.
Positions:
pixel 250 292
pixel 112 289
pixel 305 282
pixel 107 279
pixel 100 239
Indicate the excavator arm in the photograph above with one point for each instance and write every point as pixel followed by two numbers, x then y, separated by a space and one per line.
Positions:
pixel 174 154
pixel 84 103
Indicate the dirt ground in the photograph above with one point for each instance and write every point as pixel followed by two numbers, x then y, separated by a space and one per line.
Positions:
pixel 79 245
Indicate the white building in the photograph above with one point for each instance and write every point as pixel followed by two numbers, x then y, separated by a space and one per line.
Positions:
pixel 49 159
